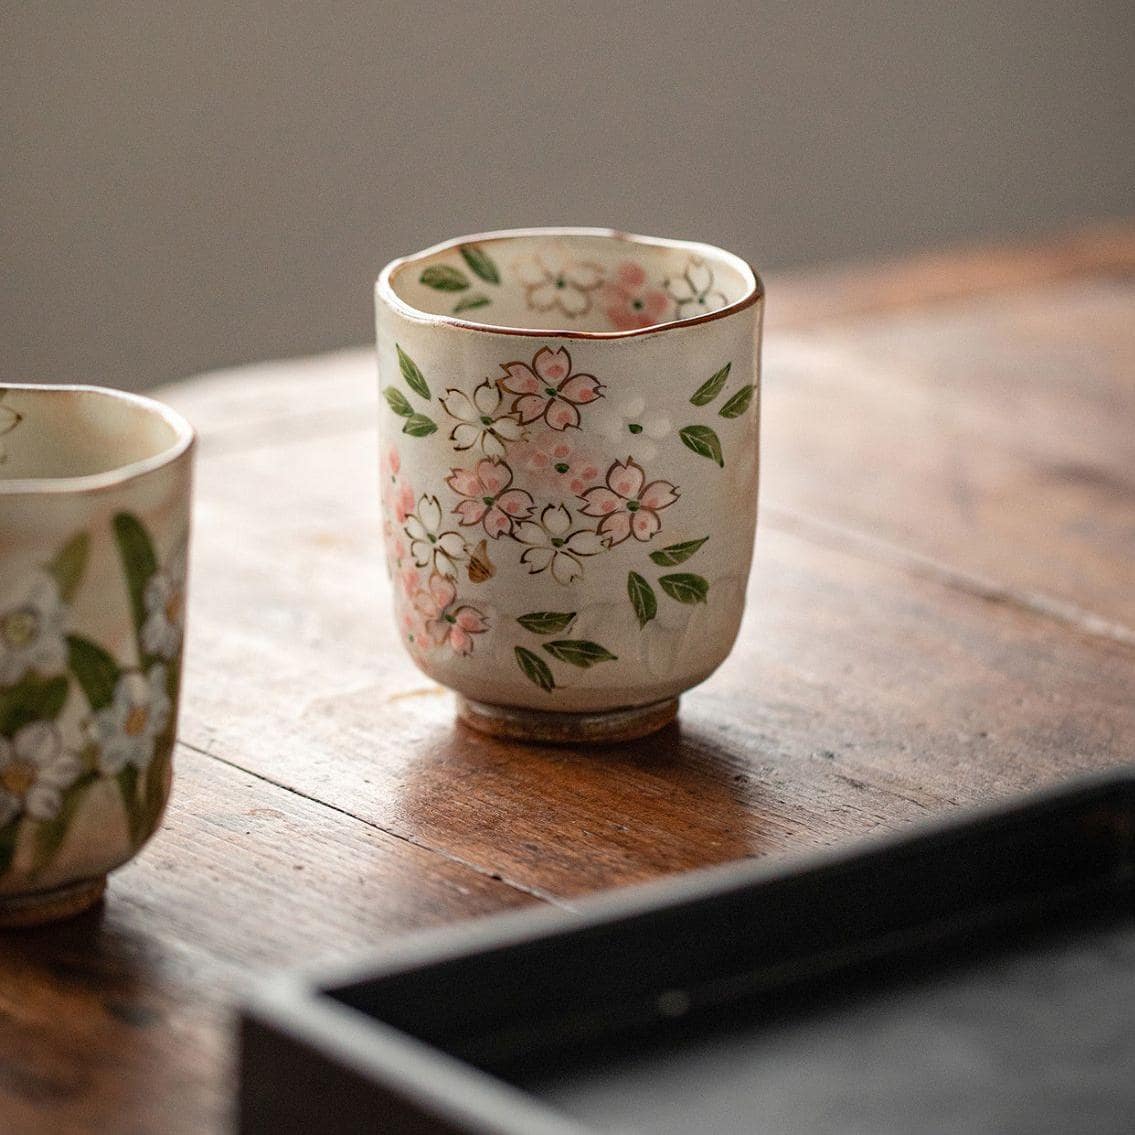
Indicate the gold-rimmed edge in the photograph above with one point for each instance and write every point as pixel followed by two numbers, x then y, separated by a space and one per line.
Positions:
pixel 385 291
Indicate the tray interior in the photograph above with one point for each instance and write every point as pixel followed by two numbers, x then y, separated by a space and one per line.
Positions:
pixel 980 977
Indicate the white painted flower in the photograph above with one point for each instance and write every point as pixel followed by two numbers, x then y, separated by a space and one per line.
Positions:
pixel 479 420
pixel 31 632
pixel 564 287
pixel 552 544
pixel 34 771
pixel 693 290
pixel 429 545
pixel 164 600
pixel 628 424
pixel 127 729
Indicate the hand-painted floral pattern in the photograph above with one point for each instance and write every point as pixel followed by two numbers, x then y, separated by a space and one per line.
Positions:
pixel 430 546
pixel 553 544
pixel 34 772
pixel 547 389
pixel 558 463
pixel 566 288
pixel 489 501
pixel 631 303
pixel 693 290
pixel 480 422
pixel 449 621
pixel 32 631
pixel 126 731
pixel 628 504
pixel 164 600
pixel 629 424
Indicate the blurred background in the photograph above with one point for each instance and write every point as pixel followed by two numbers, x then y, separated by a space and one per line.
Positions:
pixel 190 186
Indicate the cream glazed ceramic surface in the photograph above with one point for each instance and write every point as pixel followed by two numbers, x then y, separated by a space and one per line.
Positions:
pixel 569 448
pixel 94 527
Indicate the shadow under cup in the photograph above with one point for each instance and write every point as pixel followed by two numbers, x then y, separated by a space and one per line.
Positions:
pixel 569 429
pixel 94 530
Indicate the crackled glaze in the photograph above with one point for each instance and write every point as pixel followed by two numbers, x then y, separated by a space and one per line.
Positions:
pixel 569 509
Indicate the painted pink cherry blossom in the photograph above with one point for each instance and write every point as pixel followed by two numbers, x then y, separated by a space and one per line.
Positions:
pixel 547 389
pixel 558 462
pixel 489 500
pixel 393 462
pixel 447 619
pixel 629 303
pixel 628 506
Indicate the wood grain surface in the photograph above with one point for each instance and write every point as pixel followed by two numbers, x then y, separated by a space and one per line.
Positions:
pixel 942 612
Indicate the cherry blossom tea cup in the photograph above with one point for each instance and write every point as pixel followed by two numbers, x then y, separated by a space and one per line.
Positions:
pixel 94 527
pixel 569 437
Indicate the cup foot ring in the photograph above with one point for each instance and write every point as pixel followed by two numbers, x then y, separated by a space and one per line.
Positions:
pixel 35 909
pixel 544 727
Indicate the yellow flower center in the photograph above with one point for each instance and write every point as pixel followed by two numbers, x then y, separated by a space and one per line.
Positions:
pixel 17 777
pixel 174 607
pixel 136 721
pixel 19 627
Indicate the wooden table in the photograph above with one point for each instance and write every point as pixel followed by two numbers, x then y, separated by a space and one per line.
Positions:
pixel 942 612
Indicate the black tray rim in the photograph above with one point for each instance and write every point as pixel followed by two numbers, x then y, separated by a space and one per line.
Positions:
pixel 301 1004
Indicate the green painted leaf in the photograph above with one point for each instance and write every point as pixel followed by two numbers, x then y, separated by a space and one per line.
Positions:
pixel 480 263
pixel 470 302
pixel 32 699
pixel 49 834
pixel 579 652
pixel 8 836
pixel 415 380
pixel 546 622
pixel 128 786
pixel 95 670
pixel 677 553
pixel 643 599
pixel 138 564
pixel 738 404
pixel 535 669
pixel 418 425
pixel 684 587
pixel 154 792
pixel 68 566
pixel 443 278
pixel 703 441
pixel 396 400
pixel 712 387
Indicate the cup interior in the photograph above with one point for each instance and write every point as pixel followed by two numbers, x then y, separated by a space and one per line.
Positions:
pixel 581 281
pixel 53 434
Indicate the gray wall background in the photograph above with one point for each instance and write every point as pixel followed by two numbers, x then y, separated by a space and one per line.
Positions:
pixel 190 185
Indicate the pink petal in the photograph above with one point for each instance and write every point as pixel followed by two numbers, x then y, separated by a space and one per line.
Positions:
pixel 460 640
pixel 464 482
pixel 658 494
pixel 631 275
pixel 581 388
pixel 519 379
pixel 496 522
pixel 644 524
pixel 601 502
pixel 438 630
pixel 470 619
pixel 516 502
pixel 423 602
pixel 562 415
pixel 626 478
pixel 442 590
pixel 615 528
pixel 529 407
pixel 471 511
pixel 494 476
pixel 657 306
pixel 394 461
pixel 552 366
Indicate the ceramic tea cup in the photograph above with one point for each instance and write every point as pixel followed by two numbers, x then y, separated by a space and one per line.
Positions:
pixel 569 438
pixel 94 525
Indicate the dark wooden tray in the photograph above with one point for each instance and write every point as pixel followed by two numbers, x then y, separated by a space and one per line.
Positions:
pixel 974 976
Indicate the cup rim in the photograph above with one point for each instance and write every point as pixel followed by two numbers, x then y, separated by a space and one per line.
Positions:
pixel 185 437
pixel 385 290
